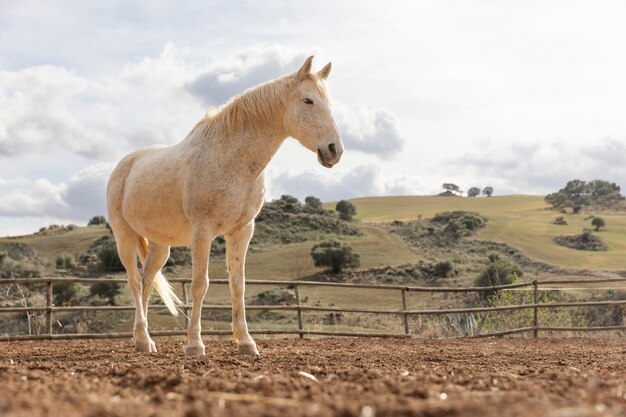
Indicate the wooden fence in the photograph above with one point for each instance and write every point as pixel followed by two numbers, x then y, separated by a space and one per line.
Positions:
pixel 405 313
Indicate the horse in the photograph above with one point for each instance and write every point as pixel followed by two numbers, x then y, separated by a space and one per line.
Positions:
pixel 209 184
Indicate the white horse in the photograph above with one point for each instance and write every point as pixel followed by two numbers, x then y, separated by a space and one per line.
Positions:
pixel 212 183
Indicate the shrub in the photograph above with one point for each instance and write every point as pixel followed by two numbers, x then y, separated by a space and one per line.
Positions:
pixel 598 223
pixel 346 210
pixel 313 203
pixel 334 255
pixel 60 262
pixel 498 272
pixel 97 220
pixel 584 241
pixel 560 220
pixel 443 269
pixel 108 258
pixel 106 290
pixel 66 293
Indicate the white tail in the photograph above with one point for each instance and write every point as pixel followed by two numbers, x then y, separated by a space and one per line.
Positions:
pixel 164 288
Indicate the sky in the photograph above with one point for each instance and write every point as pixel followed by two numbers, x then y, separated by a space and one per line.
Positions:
pixel 521 96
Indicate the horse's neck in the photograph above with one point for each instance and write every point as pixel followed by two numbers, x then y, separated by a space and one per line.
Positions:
pixel 245 152
pixel 253 149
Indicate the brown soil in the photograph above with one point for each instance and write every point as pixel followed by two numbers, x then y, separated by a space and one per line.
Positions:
pixel 320 377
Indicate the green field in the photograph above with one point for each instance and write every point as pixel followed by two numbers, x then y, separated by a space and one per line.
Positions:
pixel 524 222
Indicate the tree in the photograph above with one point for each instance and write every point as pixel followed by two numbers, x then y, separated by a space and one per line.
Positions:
pixel 97 220
pixel 313 202
pixel 334 255
pixel 346 210
pixel 488 191
pixel 598 223
pixel 578 194
pixel 452 188
pixel 604 193
pixel 473 192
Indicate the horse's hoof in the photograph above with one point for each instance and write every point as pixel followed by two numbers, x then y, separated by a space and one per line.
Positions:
pixel 147 346
pixel 248 350
pixel 195 350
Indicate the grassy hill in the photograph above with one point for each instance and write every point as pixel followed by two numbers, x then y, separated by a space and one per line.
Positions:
pixel 524 222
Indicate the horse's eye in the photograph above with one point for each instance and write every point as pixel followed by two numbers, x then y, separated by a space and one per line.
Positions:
pixel 308 101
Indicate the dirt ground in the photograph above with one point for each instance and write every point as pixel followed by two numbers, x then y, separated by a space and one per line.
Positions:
pixel 317 377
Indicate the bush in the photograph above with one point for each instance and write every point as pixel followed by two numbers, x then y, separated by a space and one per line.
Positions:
pixel 346 210
pixel 108 258
pixel 97 220
pixel 66 293
pixel 498 272
pixel 106 290
pixel 584 241
pixel 443 269
pixel 334 255
pixel 598 223
pixel 313 203
pixel 65 262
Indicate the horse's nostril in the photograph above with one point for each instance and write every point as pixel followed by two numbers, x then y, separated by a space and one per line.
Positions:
pixel 332 149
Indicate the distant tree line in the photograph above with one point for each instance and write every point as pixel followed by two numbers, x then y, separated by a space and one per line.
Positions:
pixel 453 189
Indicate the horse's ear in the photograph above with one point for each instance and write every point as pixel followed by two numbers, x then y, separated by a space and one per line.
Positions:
pixel 305 69
pixel 325 71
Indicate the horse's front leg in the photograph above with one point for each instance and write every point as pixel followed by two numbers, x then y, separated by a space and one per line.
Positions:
pixel 236 248
pixel 200 248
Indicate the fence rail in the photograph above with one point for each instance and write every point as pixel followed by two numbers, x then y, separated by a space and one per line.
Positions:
pixel 405 312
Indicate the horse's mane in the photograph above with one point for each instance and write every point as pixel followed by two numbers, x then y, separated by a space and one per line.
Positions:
pixel 257 106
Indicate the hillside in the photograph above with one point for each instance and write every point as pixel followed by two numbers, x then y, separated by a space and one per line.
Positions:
pixel 523 222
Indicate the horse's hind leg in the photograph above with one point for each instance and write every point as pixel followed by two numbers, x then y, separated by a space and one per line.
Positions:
pixel 236 248
pixel 127 241
pixel 155 260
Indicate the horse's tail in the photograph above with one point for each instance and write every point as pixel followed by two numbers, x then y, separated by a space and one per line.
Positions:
pixel 165 290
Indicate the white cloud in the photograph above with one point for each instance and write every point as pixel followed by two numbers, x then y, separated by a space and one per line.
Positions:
pixel 369 130
pixel 233 74
pixel 363 180
pixel 41 198
pixel 41 113
pixel 82 197
pixel 544 167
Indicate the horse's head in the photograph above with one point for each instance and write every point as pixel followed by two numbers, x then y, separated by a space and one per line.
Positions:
pixel 308 117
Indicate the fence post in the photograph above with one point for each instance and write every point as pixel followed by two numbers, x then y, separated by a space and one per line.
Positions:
pixel 49 309
pixel 300 328
pixel 186 301
pixel 535 308
pixel 405 315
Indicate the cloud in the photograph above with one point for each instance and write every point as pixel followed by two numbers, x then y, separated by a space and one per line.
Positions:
pixel 234 74
pixel 41 198
pixel 373 131
pixel 82 197
pixel 41 113
pixel 545 167
pixel 361 181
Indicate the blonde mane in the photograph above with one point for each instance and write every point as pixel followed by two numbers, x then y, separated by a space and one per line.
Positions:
pixel 256 106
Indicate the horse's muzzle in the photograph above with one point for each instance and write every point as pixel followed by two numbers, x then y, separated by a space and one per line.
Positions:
pixel 330 156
